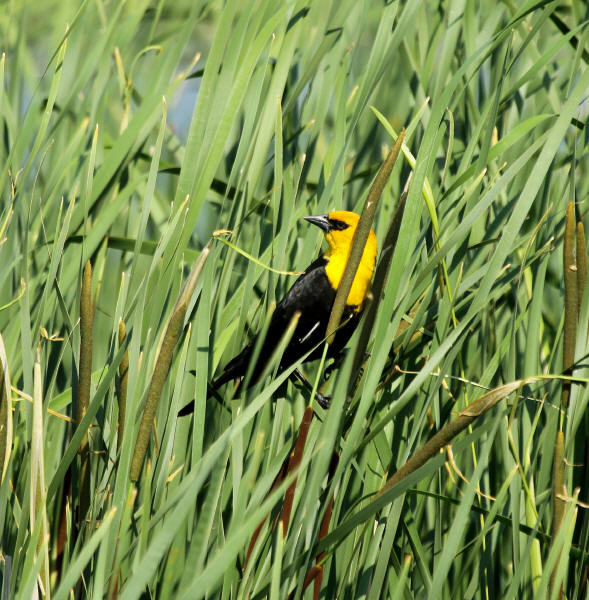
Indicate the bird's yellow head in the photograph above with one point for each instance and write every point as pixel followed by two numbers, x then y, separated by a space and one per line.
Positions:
pixel 339 228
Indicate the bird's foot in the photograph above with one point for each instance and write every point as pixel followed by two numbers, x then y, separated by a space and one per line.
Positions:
pixel 323 400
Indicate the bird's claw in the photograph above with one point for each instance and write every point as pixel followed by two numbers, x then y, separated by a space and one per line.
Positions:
pixel 322 400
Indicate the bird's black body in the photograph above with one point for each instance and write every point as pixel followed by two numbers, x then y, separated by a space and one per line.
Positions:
pixel 312 296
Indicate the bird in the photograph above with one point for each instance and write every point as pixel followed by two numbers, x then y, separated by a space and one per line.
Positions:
pixel 312 296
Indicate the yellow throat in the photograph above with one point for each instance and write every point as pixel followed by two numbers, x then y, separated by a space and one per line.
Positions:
pixel 340 245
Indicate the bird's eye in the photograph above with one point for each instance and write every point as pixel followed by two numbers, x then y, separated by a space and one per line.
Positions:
pixel 335 224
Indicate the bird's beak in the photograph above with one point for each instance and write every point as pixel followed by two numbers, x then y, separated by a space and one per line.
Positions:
pixel 322 221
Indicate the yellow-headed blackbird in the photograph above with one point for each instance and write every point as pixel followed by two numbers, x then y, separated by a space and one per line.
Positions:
pixel 312 295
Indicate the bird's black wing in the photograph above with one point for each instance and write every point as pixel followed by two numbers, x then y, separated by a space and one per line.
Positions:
pixel 312 296
pixel 308 295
